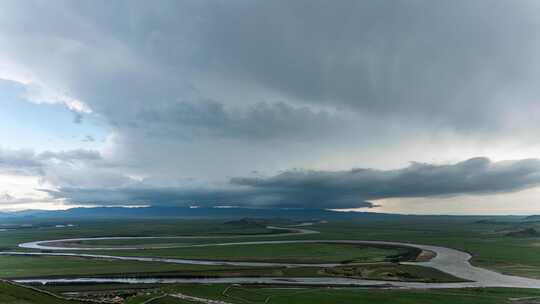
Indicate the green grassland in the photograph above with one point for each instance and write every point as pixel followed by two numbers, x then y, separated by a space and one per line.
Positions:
pixel 279 295
pixel 249 294
pixel 493 242
pixel 351 295
pixel 170 300
pixel 485 238
pixel 41 230
pixel 285 253
pixel 28 266
pixel 488 243
pixel 13 294
pixel 17 267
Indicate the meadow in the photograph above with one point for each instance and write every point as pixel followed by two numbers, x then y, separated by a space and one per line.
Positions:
pixel 504 244
pixel 252 294
pixel 14 294
pixel 486 238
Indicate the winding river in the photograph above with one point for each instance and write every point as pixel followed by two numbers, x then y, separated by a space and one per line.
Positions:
pixel 448 260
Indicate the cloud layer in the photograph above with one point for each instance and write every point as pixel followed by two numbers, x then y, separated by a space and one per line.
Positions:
pixel 196 92
pixel 333 189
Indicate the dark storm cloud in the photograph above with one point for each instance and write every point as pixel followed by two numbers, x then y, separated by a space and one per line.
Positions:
pixel 466 65
pixel 213 89
pixel 261 121
pixel 336 189
pixel 452 62
pixel 474 176
pixel 207 197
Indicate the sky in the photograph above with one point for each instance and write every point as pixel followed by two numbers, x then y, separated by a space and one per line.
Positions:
pixel 417 106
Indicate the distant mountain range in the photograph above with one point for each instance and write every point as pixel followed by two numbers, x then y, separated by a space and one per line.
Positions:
pixel 177 212
pixel 224 213
pixel 533 218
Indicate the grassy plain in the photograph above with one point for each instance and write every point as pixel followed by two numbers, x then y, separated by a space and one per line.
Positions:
pixel 17 267
pixel 170 300
pixel 492 242
pixel 486 238
pixel 284 253
pixel 13 294
pixel 246 294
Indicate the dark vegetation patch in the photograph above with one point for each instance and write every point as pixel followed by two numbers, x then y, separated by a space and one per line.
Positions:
pixel 392 272
pixel 493 222
pixel 248 222
pixel 526 232
pixel 16 294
